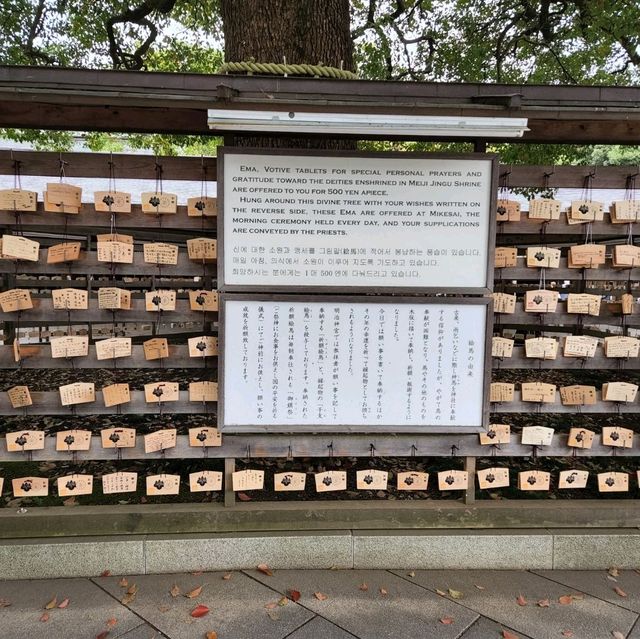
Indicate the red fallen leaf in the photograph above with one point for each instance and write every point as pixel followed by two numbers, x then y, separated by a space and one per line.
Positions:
pixel 199 611
pixel 565 600
pixel 567 633
pixel 619 591
pixel 44 617
pixel 544 603
pixel 447 621
pixel 294 595
pixel 320 596
pixel 111 622
pixel 363 587
pixel 265 570
pixel 521 601
pixel 509 635
pixel 105 573
pixel 123 583
pixel 103 635
pixel 243 497
pixel 212 634
pixel 383 592
pixel 64 603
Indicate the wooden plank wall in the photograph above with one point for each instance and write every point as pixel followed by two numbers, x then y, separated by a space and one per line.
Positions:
pixel 90 274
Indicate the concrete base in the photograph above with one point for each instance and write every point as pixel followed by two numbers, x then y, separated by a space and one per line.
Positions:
pixel 539 549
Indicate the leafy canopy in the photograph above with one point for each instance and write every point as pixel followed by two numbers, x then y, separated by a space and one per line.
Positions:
pixel 510 41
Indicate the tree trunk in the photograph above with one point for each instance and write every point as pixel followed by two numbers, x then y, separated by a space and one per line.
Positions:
pixel 300 31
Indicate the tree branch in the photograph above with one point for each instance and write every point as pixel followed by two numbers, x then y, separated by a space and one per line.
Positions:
pixel 138 15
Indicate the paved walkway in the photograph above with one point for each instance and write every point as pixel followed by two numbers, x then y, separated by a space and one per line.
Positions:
pixel 327 604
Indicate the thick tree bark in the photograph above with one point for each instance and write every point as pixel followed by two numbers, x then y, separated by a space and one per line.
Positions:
pixel 300 31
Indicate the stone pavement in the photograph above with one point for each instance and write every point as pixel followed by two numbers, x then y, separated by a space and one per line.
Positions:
pixel 328 604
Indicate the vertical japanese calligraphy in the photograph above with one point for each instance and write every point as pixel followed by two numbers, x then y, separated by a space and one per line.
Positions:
pixel 339 363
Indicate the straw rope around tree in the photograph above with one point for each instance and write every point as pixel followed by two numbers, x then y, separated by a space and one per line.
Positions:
pixel 275 68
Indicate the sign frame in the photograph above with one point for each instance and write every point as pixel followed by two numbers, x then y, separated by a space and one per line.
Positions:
pixel 386 430
pixel 359 289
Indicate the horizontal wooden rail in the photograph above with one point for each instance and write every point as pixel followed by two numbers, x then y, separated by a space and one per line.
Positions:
pixel 283 446
pixel 89 218
pixel 562 318
pixel 48 403
pixel 44 313
pixel 599 362
pixel 600 407
pixel 564 273
pixel 96 165
pixel 39 357
pixel 88 263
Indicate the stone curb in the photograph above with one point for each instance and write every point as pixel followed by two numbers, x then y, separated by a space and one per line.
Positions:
pixel 538 549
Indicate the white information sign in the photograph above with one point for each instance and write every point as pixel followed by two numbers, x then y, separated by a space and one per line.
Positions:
pixel 400 365
pixel 313 220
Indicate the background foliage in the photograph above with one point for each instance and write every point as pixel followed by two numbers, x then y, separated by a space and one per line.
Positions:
pixel 503 41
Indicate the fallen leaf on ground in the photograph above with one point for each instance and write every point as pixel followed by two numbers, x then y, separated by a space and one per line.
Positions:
pixel 265 570
pixel 455 594
pixel 320 596
pixel 521 601
pixel 442 593
pixel 133 588
pixel 175 590
pixel 243 497
pixel 103 635
pixel 123 583
pixel 111 622
pixel 479 587
pixel 447 621
pixel 283 601
pixel 565 600
pixel 51 604
pixel 411 574
pixel 619 591
pixel 383 592
pixel 194 593
pixel 363 587
pixel 199 611
pixel 212 634
pixel 105 573
pixel 543 603
pixel 274 615
pixel 227 576
pixel 509 635
pixel 614 572
pixel 616 634
pixel 567 633
pixel 610 578
pixel 64 603
pixel 294 595
pixel 271 605
pixel 4 603
pixel 44 616
pixel 128 598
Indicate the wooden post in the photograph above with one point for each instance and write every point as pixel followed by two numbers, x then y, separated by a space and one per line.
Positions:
pixel 470 467
pixel 229 495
